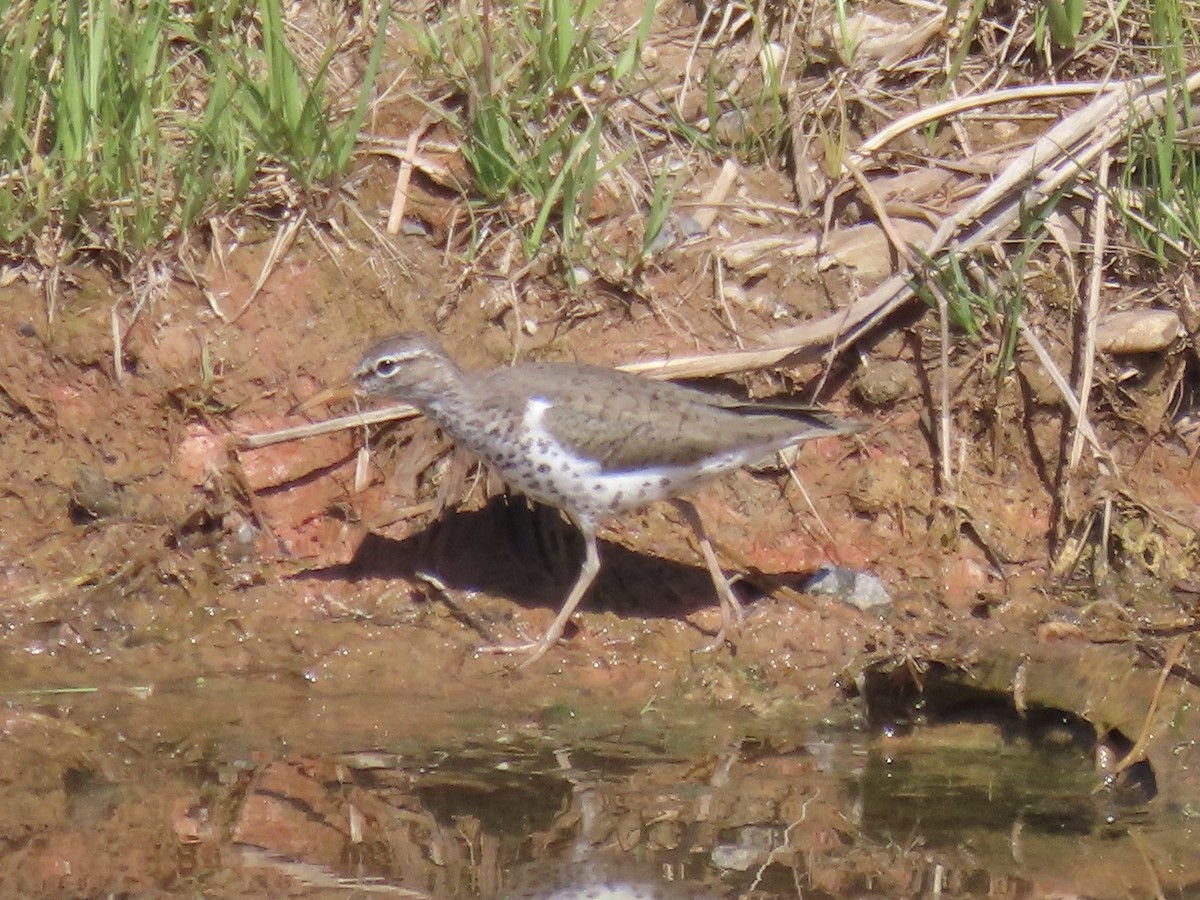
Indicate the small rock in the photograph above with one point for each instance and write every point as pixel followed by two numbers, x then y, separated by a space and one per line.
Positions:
pixel 861 590
pixel 1137 331
pixel 886 383
pixel 92 496
pixel 413 227
pixel 882 485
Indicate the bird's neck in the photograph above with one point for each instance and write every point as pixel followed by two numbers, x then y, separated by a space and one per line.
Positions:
pixel 449 395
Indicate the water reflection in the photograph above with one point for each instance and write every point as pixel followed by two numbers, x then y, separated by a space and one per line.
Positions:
pixel 238 789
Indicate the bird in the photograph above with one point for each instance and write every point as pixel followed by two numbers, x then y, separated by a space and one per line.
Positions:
pixel 591 441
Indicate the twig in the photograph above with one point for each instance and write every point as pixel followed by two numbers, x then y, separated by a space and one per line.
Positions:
pixel 905 253
pixel 946 108
pixel 1091 310
pixel 706 214
pixel 284 238
pixel 395 413
pixel 404 176
pixel 1138 751
pixel 1107 463
pixel 1057 157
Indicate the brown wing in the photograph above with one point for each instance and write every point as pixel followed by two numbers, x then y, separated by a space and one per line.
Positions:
pixel 626 422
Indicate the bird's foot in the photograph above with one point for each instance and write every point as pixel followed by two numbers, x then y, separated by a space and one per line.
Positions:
pixel 716 643
pixel 505 649
pixel 535 648
pixel 732 614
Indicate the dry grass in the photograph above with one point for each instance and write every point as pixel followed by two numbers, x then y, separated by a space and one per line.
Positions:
pixel 1026 173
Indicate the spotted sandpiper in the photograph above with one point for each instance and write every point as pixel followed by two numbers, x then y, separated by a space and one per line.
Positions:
pixel 590 441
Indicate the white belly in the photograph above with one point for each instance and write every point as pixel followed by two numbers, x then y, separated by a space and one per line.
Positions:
pixel 547 472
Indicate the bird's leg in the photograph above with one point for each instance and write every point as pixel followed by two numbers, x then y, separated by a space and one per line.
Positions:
pixel 587 574
pixel 731 607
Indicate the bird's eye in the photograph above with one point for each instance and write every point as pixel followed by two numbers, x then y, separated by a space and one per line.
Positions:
pixel 386 367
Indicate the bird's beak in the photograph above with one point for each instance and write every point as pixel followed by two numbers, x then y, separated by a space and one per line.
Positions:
pixel 343 391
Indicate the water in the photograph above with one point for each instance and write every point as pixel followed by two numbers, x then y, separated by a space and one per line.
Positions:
pixel 266 787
